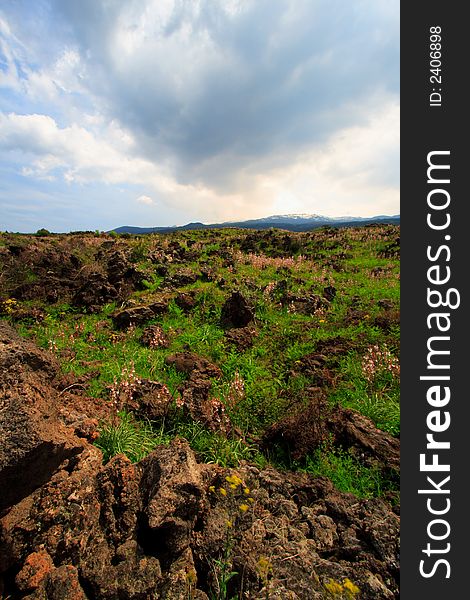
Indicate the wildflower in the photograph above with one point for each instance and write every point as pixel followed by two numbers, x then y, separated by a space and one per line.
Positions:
pixel 223 491
pixel 243 507
pixel 378 361
pixel 268 290
pixel 246 491
pixel 333 587
pixel 234 480
pixel 349 585
pixel 9 305
pixel 229 523
pixel 191 577
pixel 212 488
pixel 264 568
pixel 236 392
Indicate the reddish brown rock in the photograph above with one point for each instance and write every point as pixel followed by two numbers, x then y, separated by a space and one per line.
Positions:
pixel 150 400
pixel 35 568
pixel 242 338
pixel 157 529
pixel 34 442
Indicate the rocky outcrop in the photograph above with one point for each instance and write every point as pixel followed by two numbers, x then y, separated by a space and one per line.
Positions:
pixel 236 312
pixel 137 315
pixel 73 528
pixel 34 442
pixel 194 365
pixel 309 427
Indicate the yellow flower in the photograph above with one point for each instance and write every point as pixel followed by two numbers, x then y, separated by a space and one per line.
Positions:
pixel 234 480
pixel 223 491
pixel 333 587
pixel 211 488
pixel 264 567
pixel 246 491
pixel 321 321
pixel 229 523
pixel 244 507
pixel 251 500
pixel 191 576
pixel 349 585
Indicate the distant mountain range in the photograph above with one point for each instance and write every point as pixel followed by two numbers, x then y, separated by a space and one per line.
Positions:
pixel 300 222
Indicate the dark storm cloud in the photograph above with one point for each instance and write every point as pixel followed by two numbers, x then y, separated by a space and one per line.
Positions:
pixel 200 85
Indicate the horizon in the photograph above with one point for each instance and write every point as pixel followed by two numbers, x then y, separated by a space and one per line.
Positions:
pixel 174 112
pixel 305 216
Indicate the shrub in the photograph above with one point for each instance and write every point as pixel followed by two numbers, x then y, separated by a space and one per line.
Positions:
pixel 43 232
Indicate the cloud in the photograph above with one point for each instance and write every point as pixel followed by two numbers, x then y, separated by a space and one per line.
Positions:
pixel 218 110
pixel 208 88
pixel 143 199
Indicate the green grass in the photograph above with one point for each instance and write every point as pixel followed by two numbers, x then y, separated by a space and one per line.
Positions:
pixel 349 259
pixel 347 473
pixel 125 435
pixel 217 448
pixel 378 399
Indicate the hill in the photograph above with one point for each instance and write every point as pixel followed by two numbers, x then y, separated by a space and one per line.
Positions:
pixel 286 222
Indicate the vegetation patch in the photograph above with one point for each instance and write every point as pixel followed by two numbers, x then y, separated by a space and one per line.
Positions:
pixel 282 317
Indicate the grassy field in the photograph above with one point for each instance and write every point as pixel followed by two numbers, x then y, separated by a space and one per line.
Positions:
pixel 329 292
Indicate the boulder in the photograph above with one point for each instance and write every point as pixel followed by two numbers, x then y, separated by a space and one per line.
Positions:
pixel 138 315
pixel 236 311
pixel 34 441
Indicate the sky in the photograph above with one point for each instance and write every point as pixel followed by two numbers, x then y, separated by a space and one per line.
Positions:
pixel 162 112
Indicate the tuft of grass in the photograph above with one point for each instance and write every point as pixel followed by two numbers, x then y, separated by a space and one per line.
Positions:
pixel 346 472
pixel 215 448
pixel 126 435
pixel 377 398
pixel 384 412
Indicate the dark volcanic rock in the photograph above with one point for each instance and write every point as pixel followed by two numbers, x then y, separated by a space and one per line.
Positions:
pixel 305 305
pixel 181 278
pixel 242 338
pixel 34 443
pixel 302 433
pixel 208 274
pixel 189 362
pixel 329 293
pixel 313 365
pixel 357 432
pixel 186 301
pixel 95 291
pixel 196 398
pixel 150 400
pixel 154 337
pixel 138 314
pixel 132 316
pixel 386 303
pixel 155 529
pixel 236 311
pixel 387 319
pixel 173 495
pixel 119 268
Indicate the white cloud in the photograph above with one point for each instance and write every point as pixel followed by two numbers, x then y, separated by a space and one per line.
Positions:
pixel 222 110
pixel 145 200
